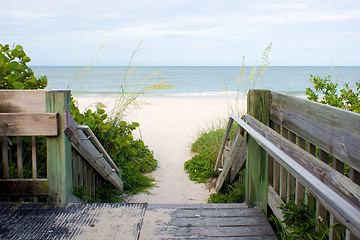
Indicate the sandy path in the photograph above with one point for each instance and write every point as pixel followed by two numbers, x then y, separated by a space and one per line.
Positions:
pixel 168 126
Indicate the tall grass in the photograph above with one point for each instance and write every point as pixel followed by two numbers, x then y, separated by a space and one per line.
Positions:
pixel 129 87
pixel 243 82
pixel 206 147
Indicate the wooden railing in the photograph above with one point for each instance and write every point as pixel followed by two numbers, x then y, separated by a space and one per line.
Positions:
pixel 28 117
pixel 301 150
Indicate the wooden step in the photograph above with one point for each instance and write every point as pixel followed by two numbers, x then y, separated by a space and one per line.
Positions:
pixel 205 221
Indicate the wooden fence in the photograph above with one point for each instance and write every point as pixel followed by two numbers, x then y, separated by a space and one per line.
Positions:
pixel 38 120
pixel 299 150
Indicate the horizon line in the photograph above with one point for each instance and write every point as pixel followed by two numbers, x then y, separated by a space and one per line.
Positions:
pixel 192 66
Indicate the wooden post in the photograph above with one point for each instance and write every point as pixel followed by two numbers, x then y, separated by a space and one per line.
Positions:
pixel 20 161
pixel 59 169
pixel 5 157
pixel 258 105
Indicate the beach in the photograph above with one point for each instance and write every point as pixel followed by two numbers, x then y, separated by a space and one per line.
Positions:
pixel 169 125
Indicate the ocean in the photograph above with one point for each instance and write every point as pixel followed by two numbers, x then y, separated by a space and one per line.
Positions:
pixel 190 81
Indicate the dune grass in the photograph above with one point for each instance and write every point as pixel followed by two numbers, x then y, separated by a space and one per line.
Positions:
pixel 207 145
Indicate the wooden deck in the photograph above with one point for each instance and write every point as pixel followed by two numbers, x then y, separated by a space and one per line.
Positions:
pixel 134 221
pixel 205 221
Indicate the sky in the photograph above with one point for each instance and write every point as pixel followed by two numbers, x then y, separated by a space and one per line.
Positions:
pixel 184 32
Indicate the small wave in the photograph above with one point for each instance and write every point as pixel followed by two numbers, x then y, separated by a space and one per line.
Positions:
pixel 207 93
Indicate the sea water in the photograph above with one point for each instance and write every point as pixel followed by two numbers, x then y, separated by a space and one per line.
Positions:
pixel 191 81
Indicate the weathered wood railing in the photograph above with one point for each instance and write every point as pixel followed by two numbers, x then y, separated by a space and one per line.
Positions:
pixel 290 145
pixel 28 115
pixel 96 157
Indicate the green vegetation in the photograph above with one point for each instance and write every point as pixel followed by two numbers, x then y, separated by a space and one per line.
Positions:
pixel 233 193
pixel 14 73
pixel 132 156
pixel 201 166
pixel 300 223
pixel 348 98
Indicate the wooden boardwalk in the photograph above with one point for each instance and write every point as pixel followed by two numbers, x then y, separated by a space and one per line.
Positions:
pixel 133 221
pixel 205 221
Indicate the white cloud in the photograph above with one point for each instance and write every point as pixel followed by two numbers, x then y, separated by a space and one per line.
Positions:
pixel 184 27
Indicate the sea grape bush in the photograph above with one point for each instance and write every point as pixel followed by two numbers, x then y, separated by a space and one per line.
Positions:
pixel 131 155
pixel 348 98
pixel 14 72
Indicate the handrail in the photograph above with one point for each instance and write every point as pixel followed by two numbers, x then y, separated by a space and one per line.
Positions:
pixel 98 144
pixel 96 156
pixel 346 210
pixel 227 131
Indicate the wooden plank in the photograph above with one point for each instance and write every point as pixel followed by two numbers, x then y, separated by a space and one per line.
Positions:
pixel 351 236
pixel 321 216
pixel 202 213
pixel 75 168
pixel 240 158
pixel 219 221
pixel 290 193
pixel 22 101
pixel 69 123
pixel 93 182
pixel 81 164
pixel 28 124
pixel 89 175
pixel 229 161
pixel 291 187
pixel 19 158
pixel 270 170
pixel 5 157
pixel 335 191
pixel 195 206
pixel 24 187
pixel 95 159
pixel 335 231
pixel 276 180
pixel 33 157
pixel 258 102
pixel 283 172
pixel 239 162
pixel 283 182
pixel 225 139
pixel 274 202
pixel 322 124
pixel 59 166
pixel 245 231
pixel 300 190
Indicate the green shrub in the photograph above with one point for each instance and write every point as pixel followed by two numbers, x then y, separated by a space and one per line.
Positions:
pixel 300 223
pixel 14 73
pixel 348 98
pixel 233 193
pixel 201 166
pixel 131 156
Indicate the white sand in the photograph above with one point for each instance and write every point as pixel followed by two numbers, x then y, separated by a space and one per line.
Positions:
pixel 168 126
